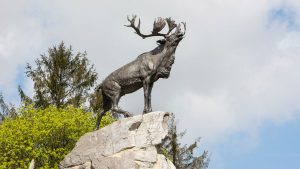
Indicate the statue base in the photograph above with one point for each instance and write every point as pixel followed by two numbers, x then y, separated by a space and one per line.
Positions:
pixel 128 143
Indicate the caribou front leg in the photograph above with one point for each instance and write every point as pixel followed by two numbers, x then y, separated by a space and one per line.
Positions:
pixel 147 95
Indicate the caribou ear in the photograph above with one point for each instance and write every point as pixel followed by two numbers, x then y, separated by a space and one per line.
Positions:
pixel 161 41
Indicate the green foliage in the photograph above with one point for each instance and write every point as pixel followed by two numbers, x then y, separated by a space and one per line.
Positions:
pixel 60 78
pixel 45 135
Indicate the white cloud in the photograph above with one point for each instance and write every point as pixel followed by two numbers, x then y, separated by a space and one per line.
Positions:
pixel 21 38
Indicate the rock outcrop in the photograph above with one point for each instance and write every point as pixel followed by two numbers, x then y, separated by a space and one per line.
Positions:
pixel 130 143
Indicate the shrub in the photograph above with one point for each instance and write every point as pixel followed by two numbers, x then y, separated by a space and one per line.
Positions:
pixel 45 135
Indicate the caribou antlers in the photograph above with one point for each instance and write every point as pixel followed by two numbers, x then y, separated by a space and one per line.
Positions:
pixel 158 26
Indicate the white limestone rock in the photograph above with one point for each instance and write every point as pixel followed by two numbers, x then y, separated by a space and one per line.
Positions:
pixel 129 143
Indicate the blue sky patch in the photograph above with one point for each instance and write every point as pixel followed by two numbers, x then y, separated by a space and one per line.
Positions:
pixel 284 16
pixel 21 76
pixel 278 148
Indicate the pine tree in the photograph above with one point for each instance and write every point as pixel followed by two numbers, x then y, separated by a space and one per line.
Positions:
pixel 60 78
pixel 183 156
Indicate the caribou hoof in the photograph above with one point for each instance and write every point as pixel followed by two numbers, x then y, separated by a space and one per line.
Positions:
pixel 146 111
pixel 128 114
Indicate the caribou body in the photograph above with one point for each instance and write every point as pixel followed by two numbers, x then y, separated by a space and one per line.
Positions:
pixel 144 70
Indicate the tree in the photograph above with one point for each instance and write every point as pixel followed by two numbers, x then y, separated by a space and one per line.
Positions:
pixel 3 108
pixel 45 135
pixel 182 156
pixel 60 78
pixel 6 110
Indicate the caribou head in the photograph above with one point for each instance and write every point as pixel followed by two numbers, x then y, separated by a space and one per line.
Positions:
pixel 167 45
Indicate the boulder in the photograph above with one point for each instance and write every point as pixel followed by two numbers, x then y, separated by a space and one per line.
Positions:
pixel 129 143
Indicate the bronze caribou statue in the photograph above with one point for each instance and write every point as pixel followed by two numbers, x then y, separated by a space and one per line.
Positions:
pixel 144 70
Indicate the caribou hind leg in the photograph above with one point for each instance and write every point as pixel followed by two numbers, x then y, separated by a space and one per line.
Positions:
pixel 110 103
pixel 106 107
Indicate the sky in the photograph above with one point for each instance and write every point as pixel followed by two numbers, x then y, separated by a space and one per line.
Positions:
pixel 235 81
